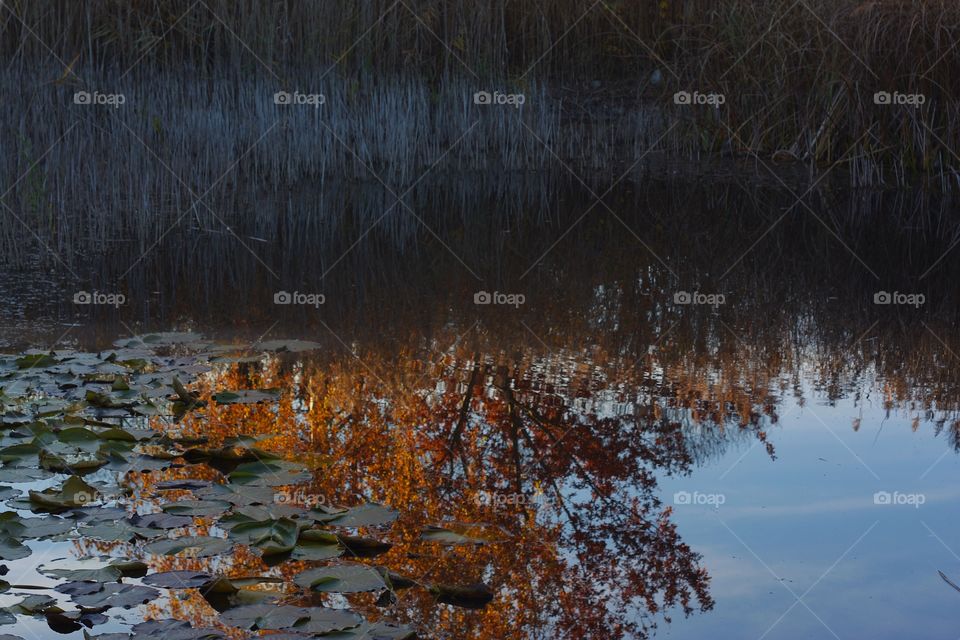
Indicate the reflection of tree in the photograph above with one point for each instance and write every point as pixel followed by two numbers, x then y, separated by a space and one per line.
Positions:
pixel 565 462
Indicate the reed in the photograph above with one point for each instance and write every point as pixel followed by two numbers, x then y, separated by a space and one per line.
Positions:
pixel 798 82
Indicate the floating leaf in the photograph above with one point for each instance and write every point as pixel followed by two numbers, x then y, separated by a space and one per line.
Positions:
pixel 342 578
pixel 265 616
pixel 270 474
pixel 12 549
pixel 93 568
pixel 311 620
pixel 117 531
pixel 315 544
pixel 117 595
pixel 247 396
pixel 161 521
pixel 197 507
pixel 74 493
pixel 376 631
pixel 190 546
pixel 35 360
pixel 271 537
pixel 365 515
pixel 177 579
pixel 77 462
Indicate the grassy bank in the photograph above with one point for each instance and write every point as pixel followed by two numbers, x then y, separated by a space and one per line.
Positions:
pixel 780 82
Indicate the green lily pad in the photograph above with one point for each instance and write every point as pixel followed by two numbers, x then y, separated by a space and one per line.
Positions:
pixel 190 546
pixel 247 396
pixel 271 537
pixel 341 578
pixel 177 579
pixel 374 631
pixel 269 474
pixel 76 462
pixel 314 544
pixel 93 568
pixel 310 620
pixel 118 531
pixel 197 507
pixel 74 493
pixel 365 515
pixel 117 595
pixel 12 549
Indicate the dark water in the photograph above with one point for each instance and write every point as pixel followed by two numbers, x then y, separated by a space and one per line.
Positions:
pixel 702 381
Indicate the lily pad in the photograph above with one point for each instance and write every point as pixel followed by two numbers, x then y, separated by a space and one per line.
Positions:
pixel 197 507
pixel 93 568
pixel 177 579
pixel 247 396
pixel 116 595
pixel 190 546
pixel 365 515
pixel 271 537
pixel 341 578
pixel 74 493
pixel 311 620
pixel 269 474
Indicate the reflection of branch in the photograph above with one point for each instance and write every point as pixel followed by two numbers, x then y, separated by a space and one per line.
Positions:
pixel 585 475
pixel 455 443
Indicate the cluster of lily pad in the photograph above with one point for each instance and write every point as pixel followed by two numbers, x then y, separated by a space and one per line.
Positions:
pixel 73 423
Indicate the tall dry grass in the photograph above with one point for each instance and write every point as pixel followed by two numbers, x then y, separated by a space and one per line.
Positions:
pixel 799 79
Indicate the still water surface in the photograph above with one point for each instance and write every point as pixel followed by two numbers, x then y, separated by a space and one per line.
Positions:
pixel 779 461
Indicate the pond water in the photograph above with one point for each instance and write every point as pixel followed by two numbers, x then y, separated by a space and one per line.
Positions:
pixel 694 408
